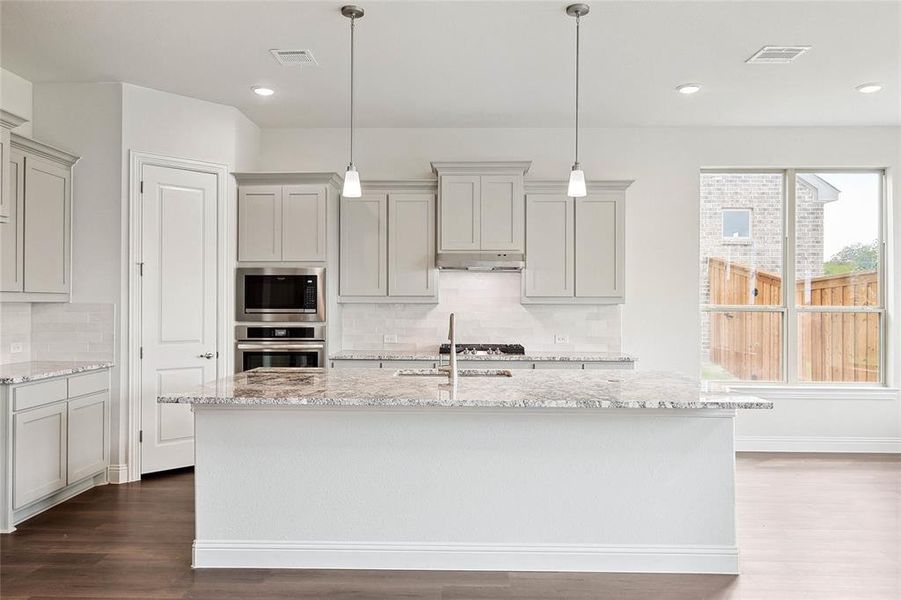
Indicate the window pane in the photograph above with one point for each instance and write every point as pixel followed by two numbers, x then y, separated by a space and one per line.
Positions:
pixel 837 247
pixel 838 346
pixel 741 238
pixel 742 345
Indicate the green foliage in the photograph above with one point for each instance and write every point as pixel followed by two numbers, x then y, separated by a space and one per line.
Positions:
pixel 853 258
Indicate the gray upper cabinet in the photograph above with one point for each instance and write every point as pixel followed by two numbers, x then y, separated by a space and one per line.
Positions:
pixel 388 244
pixel 600 233
pixel 303 223
pixel 575 251
pixel 550 246
pixel 460 212
pixel 260 223
pixel 8 122
pixel 12 231
pixel 364 245
pixel 282 223
pixel 481 206
pixel 35 239
pixel 411 245
pixel 47 226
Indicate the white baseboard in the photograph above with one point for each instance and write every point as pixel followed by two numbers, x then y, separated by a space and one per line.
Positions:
pixel 464 557
pixel 118 473
pixel 878 445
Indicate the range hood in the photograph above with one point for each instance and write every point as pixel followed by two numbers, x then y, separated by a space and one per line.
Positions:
pixel 502 262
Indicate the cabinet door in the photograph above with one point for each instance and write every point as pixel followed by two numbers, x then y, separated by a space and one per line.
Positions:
pixel 502 213
pixel 303 222
pixel 40 453
pixel 260 223
pixel 459 227
pixel 12 232
pixel 600 245
pixel 411 245
pixel 364 245
pixel 5 196
pixel 87 438
pixel 47 226
pixel 549 246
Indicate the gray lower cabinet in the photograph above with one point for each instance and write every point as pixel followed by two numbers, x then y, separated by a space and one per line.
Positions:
pixel 39 463
pixel 60 440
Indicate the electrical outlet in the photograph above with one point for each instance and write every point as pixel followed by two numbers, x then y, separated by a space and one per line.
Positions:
pixel 561 338
pixel 389 338
pixel 15 348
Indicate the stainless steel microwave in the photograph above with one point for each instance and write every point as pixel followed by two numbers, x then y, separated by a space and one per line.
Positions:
pixel 270 294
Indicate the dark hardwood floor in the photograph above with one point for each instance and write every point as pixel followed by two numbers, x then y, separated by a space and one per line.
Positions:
pixel 810 527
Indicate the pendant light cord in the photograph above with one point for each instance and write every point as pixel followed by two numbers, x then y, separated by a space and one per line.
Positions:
pixel 352 23
pixel 578 24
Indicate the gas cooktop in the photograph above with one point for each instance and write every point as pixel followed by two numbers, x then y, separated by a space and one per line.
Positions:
pixel 483 349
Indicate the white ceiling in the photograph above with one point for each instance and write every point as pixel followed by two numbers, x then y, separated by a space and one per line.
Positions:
pixel 479 64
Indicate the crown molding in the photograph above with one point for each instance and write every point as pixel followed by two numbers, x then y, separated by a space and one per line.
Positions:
pixel 479 167
pixel 400 185
pixel 555 186
pixel 288 178
pixel 9 120
pixel 43 150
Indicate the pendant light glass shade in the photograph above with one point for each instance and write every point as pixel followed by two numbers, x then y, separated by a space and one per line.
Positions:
pixel 576 188
pixel 352 188
pixel 352 183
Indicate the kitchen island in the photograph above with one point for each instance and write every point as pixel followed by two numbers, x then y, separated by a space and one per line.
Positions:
pixel 543 470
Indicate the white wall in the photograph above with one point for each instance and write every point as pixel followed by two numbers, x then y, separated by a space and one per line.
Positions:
pixel 16 97
pixel 102 123
pixel 661 317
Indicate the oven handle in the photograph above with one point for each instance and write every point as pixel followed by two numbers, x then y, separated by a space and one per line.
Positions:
pixel 278 346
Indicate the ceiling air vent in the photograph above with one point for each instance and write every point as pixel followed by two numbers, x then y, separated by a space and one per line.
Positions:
pixel 295 58
pixel 774 55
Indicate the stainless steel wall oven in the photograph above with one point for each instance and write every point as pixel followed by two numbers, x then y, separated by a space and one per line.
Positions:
pixel 279 346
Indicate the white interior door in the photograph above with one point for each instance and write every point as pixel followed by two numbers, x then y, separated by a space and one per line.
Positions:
pixel 178 307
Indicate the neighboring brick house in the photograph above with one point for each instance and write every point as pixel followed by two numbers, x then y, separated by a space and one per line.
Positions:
pixel 741 222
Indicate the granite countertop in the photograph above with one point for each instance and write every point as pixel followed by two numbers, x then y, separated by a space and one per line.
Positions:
pixel 560 355
pixel 35 370
pixel 545 388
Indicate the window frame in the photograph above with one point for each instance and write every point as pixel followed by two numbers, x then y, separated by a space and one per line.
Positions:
pixel 739 239
pixel 789 309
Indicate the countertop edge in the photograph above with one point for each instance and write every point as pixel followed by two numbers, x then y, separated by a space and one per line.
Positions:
pixel 587 357
pixel 50 374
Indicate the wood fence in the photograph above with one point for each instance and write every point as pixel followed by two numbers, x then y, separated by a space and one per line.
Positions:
pixel 837 346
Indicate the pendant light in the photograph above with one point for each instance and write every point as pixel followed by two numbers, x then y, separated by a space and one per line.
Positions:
pixel 576 188
pixel 351 176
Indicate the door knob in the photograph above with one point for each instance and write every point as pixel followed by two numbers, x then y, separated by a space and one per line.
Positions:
pixel 207 355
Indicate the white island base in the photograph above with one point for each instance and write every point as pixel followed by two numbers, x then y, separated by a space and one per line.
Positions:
pixel 465 488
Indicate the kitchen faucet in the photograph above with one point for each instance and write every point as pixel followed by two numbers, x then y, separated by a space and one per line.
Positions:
pixel 451 368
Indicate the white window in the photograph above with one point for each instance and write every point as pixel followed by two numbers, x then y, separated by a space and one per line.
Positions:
pixel 737 223
pixel 804 301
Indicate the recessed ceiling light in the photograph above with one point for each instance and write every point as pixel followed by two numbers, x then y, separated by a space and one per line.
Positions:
pixel 262 91
pixel 689 88
pixel 869 88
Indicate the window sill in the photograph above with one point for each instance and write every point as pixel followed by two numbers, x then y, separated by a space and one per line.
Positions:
pixel 737 242
pixel 817 392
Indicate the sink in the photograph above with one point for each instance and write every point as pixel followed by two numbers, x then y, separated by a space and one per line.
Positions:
pixel 460 373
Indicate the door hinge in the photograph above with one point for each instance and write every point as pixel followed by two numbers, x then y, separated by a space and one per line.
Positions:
pixel 140 269
pixel 141 352
pixel 141 436
pixel 142 187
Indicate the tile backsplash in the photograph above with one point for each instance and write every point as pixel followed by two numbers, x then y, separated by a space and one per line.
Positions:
pixel 15 332
pixel 488 310
pixel 53 331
